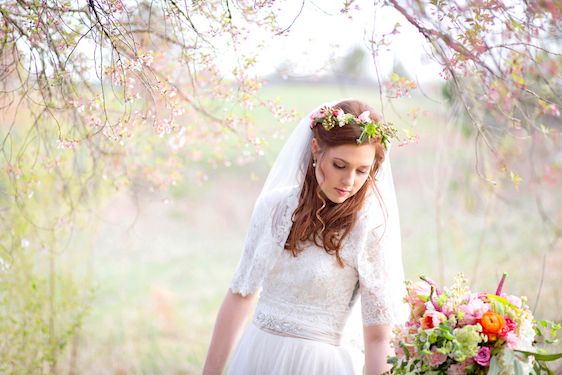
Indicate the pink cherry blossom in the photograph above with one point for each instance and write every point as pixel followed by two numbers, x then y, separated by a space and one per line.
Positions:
pixel 554 111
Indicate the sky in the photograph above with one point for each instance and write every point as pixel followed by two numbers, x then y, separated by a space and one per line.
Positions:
pixel 321 33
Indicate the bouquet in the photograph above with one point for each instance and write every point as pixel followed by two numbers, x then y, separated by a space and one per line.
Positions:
pixel 456 331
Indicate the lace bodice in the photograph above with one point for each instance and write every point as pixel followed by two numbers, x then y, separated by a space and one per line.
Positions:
pixel 310 295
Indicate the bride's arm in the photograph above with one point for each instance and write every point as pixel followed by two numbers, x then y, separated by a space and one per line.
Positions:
pixel 233 312
pixel 377 348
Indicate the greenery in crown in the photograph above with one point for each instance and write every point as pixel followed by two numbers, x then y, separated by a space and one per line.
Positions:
pixel 330 117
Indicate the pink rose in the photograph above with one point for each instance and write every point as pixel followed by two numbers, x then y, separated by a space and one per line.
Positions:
pixel 313 118
pixel 316 115
pixel 483 356
pixel 365 116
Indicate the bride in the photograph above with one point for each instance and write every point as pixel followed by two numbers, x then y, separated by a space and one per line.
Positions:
pixel 324 231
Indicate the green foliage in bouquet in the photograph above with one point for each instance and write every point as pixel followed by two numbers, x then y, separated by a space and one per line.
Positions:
pixel 457 331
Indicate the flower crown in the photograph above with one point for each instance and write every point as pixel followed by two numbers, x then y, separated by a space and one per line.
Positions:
pixel 329 117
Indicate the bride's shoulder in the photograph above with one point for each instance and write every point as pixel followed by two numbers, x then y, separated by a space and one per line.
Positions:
pixel 279 196
pixel 372 213
pixel 275 207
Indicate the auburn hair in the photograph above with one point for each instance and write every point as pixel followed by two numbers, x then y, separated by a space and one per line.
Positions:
pixel 318 219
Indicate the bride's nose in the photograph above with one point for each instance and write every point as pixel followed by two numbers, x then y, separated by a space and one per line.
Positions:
pixel 348 179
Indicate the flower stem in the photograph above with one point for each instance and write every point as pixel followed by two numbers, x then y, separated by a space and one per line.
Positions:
pixel 431 283
pixel 500 286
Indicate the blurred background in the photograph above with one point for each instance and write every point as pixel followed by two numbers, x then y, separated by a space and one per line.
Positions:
pixel 125 200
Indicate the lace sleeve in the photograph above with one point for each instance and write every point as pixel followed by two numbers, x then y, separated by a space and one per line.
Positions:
pixel 262 246
pixel 381 276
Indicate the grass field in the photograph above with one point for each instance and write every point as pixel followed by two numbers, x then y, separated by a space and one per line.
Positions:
pixel 161 264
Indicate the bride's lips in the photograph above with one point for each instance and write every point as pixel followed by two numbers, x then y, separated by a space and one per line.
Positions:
pixel 342 192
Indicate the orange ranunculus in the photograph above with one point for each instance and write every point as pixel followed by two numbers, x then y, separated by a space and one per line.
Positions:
pixel 492 324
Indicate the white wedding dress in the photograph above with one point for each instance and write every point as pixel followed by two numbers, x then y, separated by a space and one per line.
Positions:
pixel 306 300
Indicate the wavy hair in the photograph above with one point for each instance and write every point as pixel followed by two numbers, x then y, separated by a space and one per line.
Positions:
pixel 318 219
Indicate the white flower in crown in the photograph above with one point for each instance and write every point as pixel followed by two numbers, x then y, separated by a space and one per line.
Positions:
pixel 365 116
pixel 340 115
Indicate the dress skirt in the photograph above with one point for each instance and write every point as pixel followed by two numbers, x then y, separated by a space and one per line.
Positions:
pixel 260 352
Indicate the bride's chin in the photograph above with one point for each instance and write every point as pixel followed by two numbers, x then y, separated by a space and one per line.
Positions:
pixel 337 200
pixel 333 198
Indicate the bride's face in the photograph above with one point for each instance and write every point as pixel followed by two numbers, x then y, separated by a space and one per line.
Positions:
pixel 342 170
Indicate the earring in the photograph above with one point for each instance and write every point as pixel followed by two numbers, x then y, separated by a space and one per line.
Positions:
pixel 314 163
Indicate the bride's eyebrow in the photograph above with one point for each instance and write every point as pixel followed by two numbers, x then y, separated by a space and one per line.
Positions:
pixel 362 166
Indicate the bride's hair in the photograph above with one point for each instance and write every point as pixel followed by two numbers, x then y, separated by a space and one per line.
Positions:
pixel 318 219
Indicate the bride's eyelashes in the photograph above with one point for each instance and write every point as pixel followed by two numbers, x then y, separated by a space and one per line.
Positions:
pixel 339 166
pixel 343 167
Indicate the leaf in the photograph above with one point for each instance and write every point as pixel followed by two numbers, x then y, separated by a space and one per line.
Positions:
pixel 538 331
pixel 448 336
pixel 499 303
pixel 515 24
pixel 517 78
pixel 502 300
pixel 541 356
pixel 518 368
